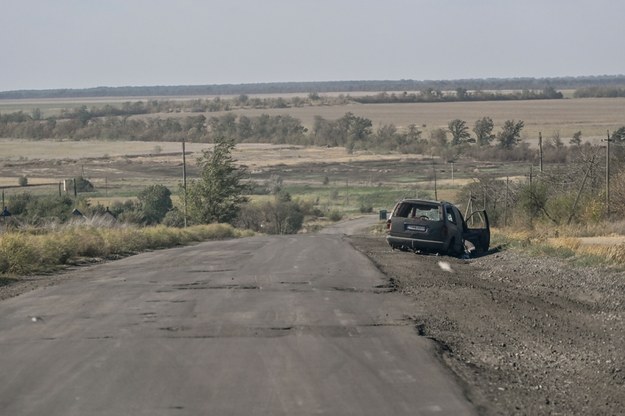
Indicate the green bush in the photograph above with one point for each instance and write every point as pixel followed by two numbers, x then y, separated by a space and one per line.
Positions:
pixel 174 218
pixel 366 208
pixel 335 215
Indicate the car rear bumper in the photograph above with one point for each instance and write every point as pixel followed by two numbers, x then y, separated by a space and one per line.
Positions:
pixel 416 244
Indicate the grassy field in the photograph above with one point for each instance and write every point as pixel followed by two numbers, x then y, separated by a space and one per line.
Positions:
pixel 120 170
pixel 592 116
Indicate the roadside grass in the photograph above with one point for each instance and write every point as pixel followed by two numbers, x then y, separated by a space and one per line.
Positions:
pixel 569 248
pixel 27 252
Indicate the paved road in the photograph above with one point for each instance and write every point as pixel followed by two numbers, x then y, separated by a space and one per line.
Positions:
pixel 294 325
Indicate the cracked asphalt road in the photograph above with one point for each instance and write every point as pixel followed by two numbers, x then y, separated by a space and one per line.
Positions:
pixel 258 326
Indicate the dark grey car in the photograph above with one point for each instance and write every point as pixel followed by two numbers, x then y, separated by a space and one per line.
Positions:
pixel 436 226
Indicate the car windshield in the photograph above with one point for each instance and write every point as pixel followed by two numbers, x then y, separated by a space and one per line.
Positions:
pixel 418 210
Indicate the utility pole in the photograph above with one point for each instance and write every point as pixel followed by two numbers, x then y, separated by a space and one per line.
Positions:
pixel 581 189
pixel 505 212
pixel 452 173
pixel 540 150
pixel 435 190
pixel 607 175
pixel 184 182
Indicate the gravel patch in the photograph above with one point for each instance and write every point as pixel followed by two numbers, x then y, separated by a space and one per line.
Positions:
pixel 523 335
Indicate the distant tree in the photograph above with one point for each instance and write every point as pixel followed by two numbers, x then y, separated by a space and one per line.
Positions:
pixel 155 203
pixel 438 137
pixel 550 92
pixel 556 140
pixel 483 130
pixel 576 140
pixel 459 132
pixel 242 99
pixel 619 135
pixel 387 136
pixel 83 115
pixel 413 134
pixel 510 134
pixel 22 181
pixel 219 192
pixel 462 94
pixel 274 184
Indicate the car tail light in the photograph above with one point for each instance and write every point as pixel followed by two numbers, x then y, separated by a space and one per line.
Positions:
pixel 388 224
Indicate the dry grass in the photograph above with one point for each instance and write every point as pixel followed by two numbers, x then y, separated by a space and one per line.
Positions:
pixel 602 243
pixel 246 153
pixel 16 149
pixel 36 251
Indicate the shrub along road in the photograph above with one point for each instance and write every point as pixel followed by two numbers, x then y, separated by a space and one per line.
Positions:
pixel 265 325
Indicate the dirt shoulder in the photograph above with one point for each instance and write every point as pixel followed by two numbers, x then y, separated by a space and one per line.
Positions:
pixel 523 335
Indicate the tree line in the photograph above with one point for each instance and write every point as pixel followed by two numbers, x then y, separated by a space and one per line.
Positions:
pixel 431 95
pixel 521 83
pixel 599 92
pixel 478 139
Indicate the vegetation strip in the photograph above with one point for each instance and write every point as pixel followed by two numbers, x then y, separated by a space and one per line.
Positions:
pixel 38 251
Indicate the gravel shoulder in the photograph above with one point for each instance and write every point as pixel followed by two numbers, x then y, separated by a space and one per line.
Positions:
pixel 523 335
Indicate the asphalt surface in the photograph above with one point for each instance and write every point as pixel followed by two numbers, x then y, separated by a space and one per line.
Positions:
pixel 292 325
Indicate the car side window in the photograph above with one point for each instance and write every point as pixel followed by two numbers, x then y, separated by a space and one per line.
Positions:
pixel 402 210
pixel 451 217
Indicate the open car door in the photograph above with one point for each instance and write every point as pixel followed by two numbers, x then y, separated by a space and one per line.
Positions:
pixel 477 231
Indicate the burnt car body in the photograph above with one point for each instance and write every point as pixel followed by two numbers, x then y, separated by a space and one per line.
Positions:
pixel 438 227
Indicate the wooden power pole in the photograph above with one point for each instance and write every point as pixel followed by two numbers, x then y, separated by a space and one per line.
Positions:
pixel 607 175
pixel 540 150
pixel 184 182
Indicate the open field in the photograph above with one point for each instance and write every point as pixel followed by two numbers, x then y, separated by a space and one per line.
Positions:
pixel 592 116
pixel 120 170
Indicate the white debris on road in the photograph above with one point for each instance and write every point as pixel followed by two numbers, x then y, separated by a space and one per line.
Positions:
pixel 445 266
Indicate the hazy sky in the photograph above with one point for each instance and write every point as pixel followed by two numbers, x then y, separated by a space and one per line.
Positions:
pixel 88 43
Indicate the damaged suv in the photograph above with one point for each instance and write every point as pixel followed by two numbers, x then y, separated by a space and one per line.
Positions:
pixel 437 227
